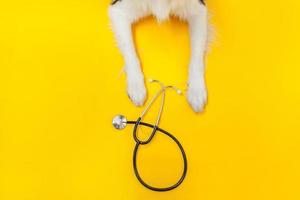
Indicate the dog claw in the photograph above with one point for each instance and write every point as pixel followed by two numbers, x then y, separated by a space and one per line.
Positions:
pixel 136 91
pixel 197 95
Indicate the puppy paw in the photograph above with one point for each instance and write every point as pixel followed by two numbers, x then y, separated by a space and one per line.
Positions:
pixel 196 94
pixel 136 89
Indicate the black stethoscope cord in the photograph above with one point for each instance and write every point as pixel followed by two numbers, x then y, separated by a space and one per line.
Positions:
pixel 135 153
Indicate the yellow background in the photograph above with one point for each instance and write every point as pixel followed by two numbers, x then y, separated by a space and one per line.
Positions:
pixel 60 88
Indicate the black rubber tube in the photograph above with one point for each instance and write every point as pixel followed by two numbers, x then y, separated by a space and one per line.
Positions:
pixel 135 151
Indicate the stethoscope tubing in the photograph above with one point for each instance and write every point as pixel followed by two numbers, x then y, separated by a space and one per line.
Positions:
pixel 139 143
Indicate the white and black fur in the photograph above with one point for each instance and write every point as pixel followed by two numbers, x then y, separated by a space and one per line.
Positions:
pixel 123 13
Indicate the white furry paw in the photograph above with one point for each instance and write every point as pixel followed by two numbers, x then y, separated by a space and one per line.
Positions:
pixel 196 94
pixel 136 89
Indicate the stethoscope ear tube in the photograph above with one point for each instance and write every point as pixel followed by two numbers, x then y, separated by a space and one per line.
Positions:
pixel 135 153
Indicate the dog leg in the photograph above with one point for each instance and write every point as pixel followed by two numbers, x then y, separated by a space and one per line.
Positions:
pixel 122 17
pixel 196 94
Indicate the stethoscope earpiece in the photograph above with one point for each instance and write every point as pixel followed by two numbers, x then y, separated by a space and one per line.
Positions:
pixel 120 122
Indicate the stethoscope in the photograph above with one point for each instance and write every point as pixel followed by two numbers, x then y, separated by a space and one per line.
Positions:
pixel 120 122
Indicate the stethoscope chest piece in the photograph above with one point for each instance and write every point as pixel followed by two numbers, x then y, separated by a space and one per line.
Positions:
pixel 120 122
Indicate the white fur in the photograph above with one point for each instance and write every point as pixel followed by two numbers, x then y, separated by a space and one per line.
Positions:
pixel 124 13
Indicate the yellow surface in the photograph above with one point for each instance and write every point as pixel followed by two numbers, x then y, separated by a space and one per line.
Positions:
pixel 60 88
